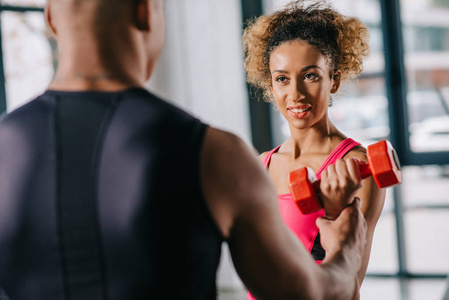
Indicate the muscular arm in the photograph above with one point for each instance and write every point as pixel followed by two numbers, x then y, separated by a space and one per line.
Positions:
pixel 271 261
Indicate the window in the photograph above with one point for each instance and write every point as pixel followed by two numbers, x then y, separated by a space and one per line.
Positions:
pixel 425 30
pixel 24 3
pixel 26 52
pixel 27 56
pixel 426 41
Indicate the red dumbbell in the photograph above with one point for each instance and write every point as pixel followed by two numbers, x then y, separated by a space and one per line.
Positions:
pixel 383 164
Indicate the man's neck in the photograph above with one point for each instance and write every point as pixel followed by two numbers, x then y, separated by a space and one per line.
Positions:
pixel 90 65
pixel 101 81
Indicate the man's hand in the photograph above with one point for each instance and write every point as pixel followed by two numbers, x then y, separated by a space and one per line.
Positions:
pixel 347 232
pixel 339 184
pixel 345 238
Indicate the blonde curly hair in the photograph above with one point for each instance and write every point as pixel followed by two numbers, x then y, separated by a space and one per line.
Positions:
pixel 342 40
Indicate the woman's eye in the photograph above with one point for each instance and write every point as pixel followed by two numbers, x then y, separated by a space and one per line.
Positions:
pixel 281 79
pixel 310 76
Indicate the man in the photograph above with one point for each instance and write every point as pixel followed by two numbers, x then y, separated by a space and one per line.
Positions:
pixel 110 193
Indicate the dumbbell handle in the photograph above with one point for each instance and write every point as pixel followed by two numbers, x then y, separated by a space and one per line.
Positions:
pixel 365 170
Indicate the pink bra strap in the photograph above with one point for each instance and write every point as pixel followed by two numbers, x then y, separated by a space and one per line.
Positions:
pixel 344 147
pixel 267 158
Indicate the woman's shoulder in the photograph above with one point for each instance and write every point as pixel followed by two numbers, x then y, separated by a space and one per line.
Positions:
pixel 358 152
pixel 263 155
pixel 342 141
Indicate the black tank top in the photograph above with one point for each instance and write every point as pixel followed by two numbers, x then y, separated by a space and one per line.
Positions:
pixel 100 198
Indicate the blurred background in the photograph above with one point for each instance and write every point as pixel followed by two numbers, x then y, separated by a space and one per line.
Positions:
pixel 402 95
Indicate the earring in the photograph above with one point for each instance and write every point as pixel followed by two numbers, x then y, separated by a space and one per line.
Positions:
pixel 331 101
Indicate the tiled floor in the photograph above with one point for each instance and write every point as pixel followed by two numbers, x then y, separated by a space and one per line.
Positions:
pixel 375 288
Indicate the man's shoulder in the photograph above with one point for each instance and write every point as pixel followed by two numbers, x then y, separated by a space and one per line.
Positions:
pixel 25 127
pixel 29 112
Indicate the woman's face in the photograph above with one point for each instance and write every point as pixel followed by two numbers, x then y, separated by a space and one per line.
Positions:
pixel 301 83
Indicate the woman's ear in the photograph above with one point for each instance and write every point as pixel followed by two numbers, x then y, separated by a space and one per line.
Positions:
pixel 336 80
pixel 143 15
pixel 49 20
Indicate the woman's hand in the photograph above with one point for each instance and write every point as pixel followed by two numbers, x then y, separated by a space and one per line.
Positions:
pixel 339 184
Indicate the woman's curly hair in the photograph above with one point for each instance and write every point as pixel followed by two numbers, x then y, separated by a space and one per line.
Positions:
pixel 342 40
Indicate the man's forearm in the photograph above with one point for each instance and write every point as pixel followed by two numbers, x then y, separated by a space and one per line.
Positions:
pixel 344 240
pixel 340 274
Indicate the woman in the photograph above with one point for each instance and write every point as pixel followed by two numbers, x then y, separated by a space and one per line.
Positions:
pixel 299 56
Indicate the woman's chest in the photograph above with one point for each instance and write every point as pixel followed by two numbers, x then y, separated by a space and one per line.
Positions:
pixel 281 165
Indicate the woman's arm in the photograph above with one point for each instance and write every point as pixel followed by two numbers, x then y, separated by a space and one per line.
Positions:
pixel 373 199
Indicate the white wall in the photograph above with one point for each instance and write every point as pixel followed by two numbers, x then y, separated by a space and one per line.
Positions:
pixel 201 70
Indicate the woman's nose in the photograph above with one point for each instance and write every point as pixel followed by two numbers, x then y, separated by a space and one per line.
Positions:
pixel 295 92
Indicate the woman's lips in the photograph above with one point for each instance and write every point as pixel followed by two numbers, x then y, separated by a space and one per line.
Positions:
pixel 299 112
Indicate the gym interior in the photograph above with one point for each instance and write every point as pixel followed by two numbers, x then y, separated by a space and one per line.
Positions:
pixel 402 96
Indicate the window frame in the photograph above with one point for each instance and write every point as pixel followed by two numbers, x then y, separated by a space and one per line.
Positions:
pixel 396 81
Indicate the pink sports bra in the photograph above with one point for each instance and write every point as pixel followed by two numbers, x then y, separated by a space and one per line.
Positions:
pixel 304 226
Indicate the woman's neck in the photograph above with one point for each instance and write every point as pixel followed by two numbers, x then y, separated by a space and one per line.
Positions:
pixel 316 139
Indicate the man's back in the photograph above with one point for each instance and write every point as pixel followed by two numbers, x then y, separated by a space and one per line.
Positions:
pixel 104 200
